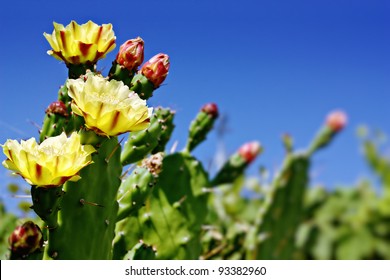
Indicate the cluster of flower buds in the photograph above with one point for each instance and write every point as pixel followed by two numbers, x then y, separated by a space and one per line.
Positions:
pixel 144 81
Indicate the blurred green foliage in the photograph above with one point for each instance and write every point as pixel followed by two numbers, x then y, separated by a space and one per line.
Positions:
pixel 7 225
pixel 346 223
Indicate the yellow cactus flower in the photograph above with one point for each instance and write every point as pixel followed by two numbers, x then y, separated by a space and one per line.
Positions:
pixel 108 107
pixel 49 164
pixel 79 44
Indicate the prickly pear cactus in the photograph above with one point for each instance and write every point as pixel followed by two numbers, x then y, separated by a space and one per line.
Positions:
pixel 273 236
pixel 284 202
pixel 171 218
pixel 160 204
pixel 89 209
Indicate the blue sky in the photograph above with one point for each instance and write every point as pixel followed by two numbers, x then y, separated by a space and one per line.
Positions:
pixel 271 66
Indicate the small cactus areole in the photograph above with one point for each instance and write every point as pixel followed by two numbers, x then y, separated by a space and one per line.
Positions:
pixel 336 120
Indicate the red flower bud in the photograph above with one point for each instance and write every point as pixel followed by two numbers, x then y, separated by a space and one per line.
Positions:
pixel 26 239
pixel 131 54
pixel 249 151
pixel 211 109
pixel 156 69
pixel 336 120
pixel 57 107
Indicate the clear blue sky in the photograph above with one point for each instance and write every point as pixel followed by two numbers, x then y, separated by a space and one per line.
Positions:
pixel 271 66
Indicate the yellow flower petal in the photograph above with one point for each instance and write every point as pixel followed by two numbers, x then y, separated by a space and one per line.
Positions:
pixel 108 107
pixel 52 163
pixel 79 44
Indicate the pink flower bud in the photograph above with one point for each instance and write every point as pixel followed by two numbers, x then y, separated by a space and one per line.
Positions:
pixel 26 239
pixel 131 54
pixel 336 120
pixel 57 107
pixel 211 109
pixel 156 69
pixel 249 151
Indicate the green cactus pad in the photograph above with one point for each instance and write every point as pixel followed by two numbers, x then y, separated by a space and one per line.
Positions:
pixel 141 143
pixel 120 73
pixel 134 191
pixel 53 125
pixel 199 129
pixel 166 117
pixel 230 171
pixel 46 204
pixel 273 236
pixel 142 86
pixel 172 217
pixel 89 209
pixel 141 251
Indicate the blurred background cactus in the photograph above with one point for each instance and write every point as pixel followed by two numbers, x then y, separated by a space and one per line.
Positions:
pixel 105 184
